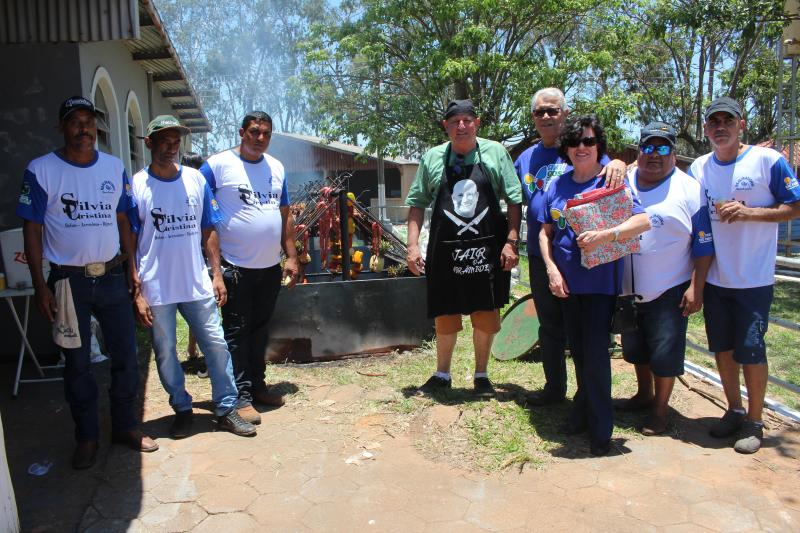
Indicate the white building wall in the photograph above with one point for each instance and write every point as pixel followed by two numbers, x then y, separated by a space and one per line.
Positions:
pixel 109 65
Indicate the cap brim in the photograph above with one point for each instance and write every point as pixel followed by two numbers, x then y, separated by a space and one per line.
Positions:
pixel 183 130
pixel 95 112
pixel 652 136
pixel 731 112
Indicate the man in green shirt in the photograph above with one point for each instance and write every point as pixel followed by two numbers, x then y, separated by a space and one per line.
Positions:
pixel 472 245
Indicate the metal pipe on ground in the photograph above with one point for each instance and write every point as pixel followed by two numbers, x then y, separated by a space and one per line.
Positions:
pixel 703 373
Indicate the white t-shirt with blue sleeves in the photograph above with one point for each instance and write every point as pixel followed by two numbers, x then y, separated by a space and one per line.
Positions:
pixel 169 221
pixel 745 251
pixel 680 230
pixel 77 206
pixel 250 195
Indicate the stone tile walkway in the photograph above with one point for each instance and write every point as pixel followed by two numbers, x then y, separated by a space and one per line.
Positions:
pixel 312 469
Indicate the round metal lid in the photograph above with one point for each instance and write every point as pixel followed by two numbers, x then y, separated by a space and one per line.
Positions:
pixel 520 331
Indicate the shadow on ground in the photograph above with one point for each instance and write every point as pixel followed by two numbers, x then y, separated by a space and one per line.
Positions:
pixel 39 429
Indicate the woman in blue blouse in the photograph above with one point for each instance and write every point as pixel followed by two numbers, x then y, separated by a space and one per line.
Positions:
pixel 588 295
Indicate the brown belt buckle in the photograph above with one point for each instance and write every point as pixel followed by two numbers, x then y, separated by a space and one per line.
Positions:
pixel 94 270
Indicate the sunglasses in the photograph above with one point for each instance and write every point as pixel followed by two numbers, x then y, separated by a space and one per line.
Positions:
pixel 648 149
pixel 588 142
pixel 549 111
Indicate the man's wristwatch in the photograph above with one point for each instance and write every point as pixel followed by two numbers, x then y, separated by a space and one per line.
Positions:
pixel 513 242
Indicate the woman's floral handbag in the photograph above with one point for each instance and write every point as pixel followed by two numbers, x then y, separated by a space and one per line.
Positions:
pixel 598 210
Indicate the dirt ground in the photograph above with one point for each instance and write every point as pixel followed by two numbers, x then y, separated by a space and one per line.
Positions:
pixel 342 456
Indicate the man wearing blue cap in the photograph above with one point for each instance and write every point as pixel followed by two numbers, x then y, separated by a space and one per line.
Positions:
pixel 668 274
pixel 750 190
pixel 74 202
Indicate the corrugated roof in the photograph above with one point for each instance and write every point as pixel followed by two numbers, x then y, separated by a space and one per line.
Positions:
pixel 136 22
pixel 154 52
pixel 341 147
pixel 54 21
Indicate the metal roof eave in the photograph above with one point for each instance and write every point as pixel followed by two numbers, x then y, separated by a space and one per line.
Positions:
pixel 156 54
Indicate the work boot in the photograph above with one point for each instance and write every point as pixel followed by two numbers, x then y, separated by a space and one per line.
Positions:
pixel 236 424
pixel 249 414
pixel 181 425
pixel 270 399
pixel 85 454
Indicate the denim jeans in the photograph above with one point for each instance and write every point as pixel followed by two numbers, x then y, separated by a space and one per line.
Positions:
pixel 107 298
pixel 552 336
pixel 203 320
pixel 588 321
pixel 252 293
pixel 659 339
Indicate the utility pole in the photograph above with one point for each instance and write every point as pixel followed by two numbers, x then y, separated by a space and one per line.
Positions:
pixel 381 175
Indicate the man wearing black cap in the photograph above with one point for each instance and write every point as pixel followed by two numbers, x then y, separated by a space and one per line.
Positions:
pixel 175 215
pixel 750 190
pixel 74 202
pixel 472 246
pixel 669 273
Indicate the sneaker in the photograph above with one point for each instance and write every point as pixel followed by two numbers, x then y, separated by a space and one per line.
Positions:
pixel 726 426
pixel 181 425
pixel 249 414
pixel 234 423
pixel 484 388
pixel 435 384
pixel 749 438
pixel 202 369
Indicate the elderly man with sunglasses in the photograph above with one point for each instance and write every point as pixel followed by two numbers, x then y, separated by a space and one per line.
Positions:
pixel 536 167
pixel 669 273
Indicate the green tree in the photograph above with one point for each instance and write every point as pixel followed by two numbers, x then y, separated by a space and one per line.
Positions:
pixel 385 69
pixel 681 55
pixel 243 55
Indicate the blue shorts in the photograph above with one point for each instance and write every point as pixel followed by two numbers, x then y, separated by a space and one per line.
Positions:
pixel 660 337
pixel 737 319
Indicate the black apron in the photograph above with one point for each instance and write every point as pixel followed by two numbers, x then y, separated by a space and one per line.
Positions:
pixel 463 259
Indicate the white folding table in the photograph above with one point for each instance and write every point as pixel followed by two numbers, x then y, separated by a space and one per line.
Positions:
pixel 25 346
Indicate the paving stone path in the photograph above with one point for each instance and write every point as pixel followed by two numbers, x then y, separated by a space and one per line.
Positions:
pixel 315 467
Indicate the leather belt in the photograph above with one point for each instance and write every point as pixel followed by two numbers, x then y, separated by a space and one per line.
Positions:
pixel 93 270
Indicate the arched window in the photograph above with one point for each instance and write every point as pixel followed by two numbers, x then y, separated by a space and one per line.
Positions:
pixel 135 131
pixel 109 139
pixel 103 131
